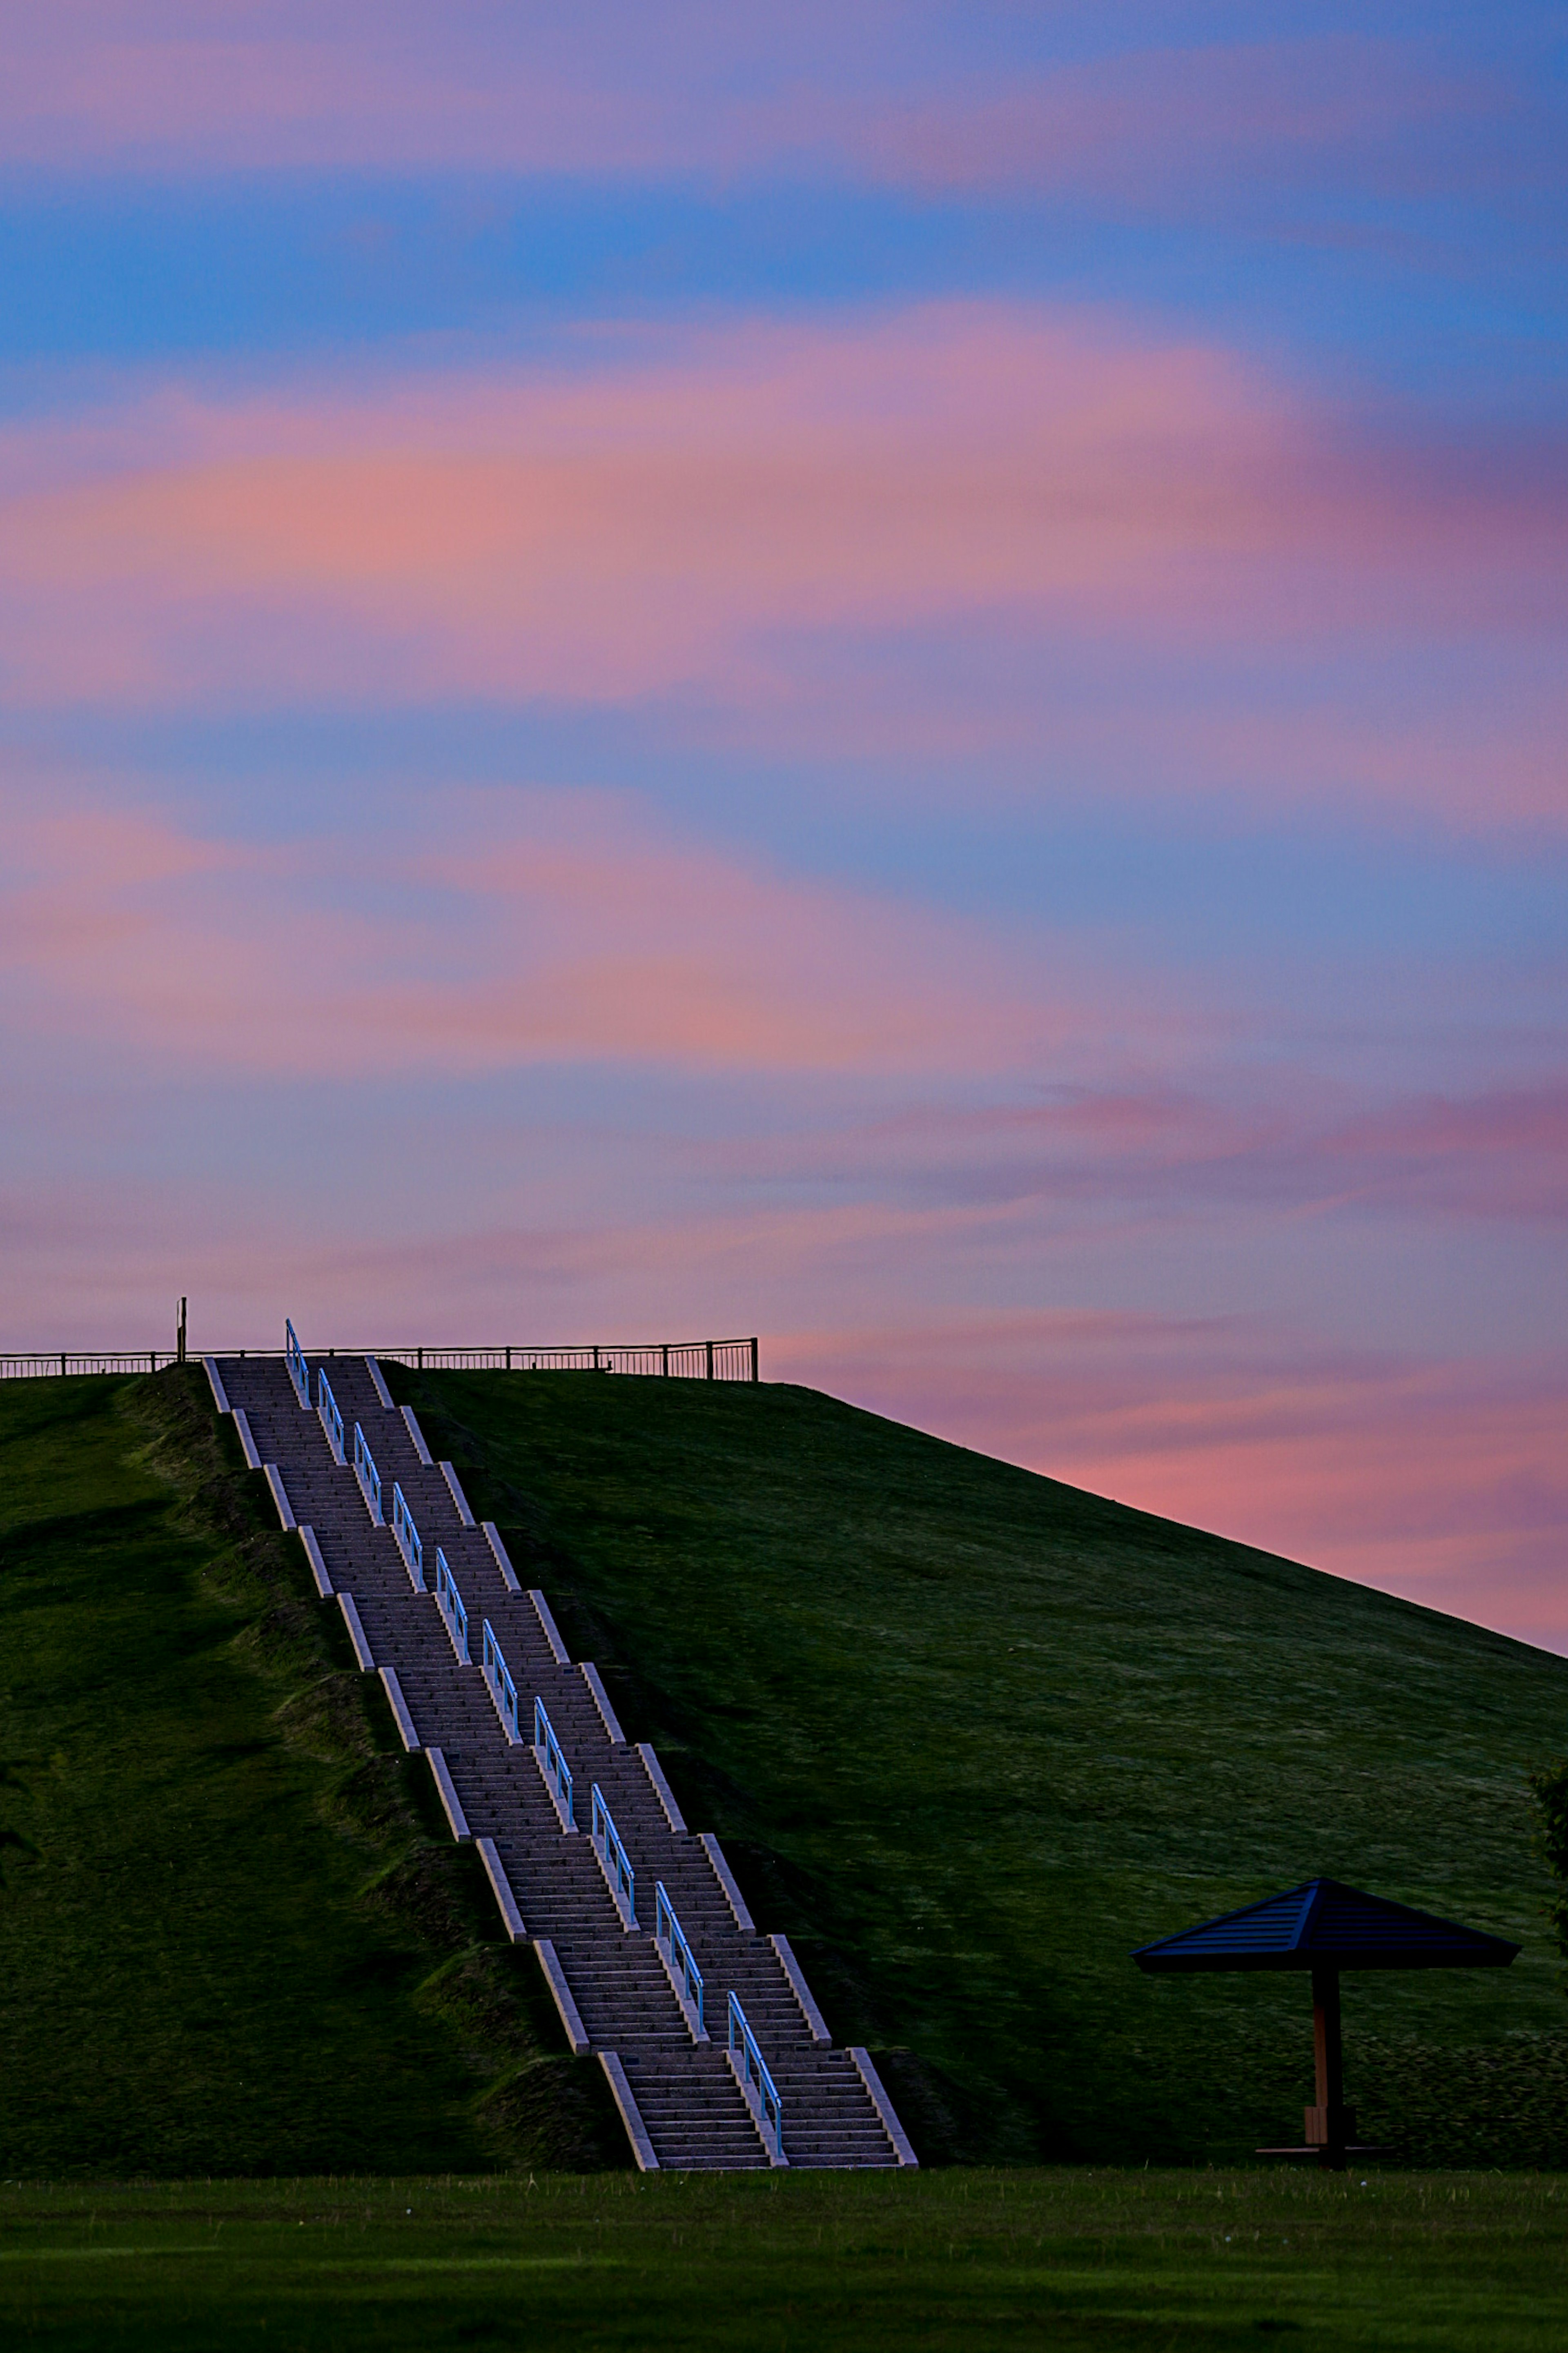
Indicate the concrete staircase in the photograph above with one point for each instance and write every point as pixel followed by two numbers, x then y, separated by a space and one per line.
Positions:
pixel 680 2098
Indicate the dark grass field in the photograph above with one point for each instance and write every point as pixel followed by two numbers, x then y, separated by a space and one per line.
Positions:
pixel 969 1736
pixel 1156 2263
pixel 232 1937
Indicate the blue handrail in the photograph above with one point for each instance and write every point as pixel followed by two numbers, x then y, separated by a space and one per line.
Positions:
pixel 368 1476
pixel 502 1689
pixel 331 1420
pixel 548 1749
pixel 616 1861
pixel 667 1932
pixel 407 1536
pixel 760 2090
pixel 449 1601
pixel 298 1371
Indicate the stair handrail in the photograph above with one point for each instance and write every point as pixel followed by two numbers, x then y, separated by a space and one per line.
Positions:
pixel 368 1476
pixel 667 1931
pixel 331 1420
pixel 761 2091
pixel 450 1602
pixel 617 1861
pixel 548 1749
pixel 298 1371
pixel 408 1536
pixel 498 1676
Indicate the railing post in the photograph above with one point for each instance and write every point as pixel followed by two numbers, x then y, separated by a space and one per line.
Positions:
pixel 368 1476
pixel 553 1764
pixel 680 1965
pixel 753 1358
pixel 610 1849
pixel 498 1679
pixel 410 1542
pixel 328 1415
pixel 709 1345
pixel 450 1602
pixel 758 2086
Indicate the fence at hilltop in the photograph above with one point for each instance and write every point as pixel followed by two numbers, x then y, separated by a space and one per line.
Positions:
pixel 691 1360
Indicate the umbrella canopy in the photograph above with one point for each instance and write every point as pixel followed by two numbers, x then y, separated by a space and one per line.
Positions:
pixel 1325 1925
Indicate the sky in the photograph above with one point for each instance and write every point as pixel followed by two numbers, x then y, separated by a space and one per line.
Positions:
pixel 886 675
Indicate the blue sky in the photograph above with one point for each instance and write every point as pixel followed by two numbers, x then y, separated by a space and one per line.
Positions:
pixel 894 678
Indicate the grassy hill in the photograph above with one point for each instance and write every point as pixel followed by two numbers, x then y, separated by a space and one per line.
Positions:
pixel 232 1939
pixel 970 1735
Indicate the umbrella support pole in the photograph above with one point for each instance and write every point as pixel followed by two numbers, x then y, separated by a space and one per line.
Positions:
pixel 1331 2127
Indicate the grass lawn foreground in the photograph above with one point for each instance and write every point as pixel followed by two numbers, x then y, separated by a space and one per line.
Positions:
pixel 1165 2262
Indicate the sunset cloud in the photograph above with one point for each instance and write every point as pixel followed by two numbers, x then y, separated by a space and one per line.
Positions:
pixel 1172 128
pixel 1159 115
pixel 1284 1140
pixel 656 523
pixel 721 519
pixel 544 927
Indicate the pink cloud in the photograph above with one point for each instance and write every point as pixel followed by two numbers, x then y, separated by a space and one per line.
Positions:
pixel 1501 1154
pixel 176 86
pixel 706 517
pixel 852 93
pixel 1281 1140
pixel 545 927
pixel 653 526
pixel 1178 128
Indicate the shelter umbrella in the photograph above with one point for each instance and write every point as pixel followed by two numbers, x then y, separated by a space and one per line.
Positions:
pixel 1325 1927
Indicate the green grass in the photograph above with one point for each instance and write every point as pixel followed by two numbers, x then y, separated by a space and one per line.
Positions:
pixel 969 1736
pixel 1155 2262
pixel 232 1938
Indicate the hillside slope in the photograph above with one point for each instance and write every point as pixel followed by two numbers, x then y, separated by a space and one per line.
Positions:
pixel 970 1735
pixel 233 1937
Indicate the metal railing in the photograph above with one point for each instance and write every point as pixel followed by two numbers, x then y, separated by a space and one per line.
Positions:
pixel 671 1940
pixel 368 1476
pixel 689 1360
pixel 548 1749
pixel 298 1371
pixel 331 1420
pixel 56 1363
pixel 408 1536
pixel 760 2090
pixel 616 1861
pixel 449 1601
pixel 502 1689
